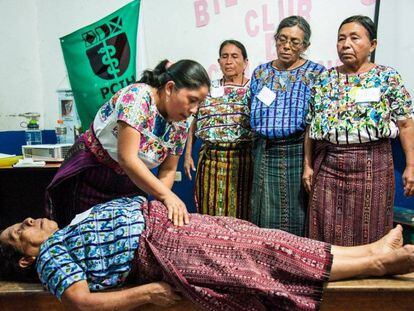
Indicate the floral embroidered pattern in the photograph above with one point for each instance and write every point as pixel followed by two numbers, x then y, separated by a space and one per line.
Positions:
pixel 225 118
pixel 340 114
pixel 135 106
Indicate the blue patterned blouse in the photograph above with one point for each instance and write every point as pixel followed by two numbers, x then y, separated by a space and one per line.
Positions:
pixel 285 115
pixel 99 249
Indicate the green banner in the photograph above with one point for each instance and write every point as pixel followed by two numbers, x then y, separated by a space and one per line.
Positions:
pixel 100 59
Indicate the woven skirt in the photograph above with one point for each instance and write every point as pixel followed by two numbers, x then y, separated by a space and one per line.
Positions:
pixel 278 197
pixel 223 180
pixel 353 193
pixel 224 263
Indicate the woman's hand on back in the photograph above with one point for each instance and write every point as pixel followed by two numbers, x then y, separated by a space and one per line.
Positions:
pixel 177 211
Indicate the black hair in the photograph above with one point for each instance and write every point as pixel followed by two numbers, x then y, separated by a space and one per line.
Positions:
pixel 10 269
pixel 365 22
pixel 185 73
pixel 296 20
pixel 237 44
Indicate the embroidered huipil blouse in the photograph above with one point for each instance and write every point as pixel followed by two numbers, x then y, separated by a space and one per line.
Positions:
pixel 224 117
pixel 358 108
pixel 98 249
pixel 285 114
pixel 135 106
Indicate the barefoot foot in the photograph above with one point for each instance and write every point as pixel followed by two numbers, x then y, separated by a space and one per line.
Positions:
pixel 399 261
pixel 390 242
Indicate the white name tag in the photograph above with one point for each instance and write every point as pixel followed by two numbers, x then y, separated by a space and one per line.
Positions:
pixel 79 217
pixel 266 96
pixel 217 91
pixel 372 94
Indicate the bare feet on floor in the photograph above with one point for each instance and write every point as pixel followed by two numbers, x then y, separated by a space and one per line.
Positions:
pixel 389 243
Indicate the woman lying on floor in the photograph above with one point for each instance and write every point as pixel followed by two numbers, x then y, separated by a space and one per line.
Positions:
pixel 218 263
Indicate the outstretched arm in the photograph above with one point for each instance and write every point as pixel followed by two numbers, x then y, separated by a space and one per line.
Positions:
pixel 128 147
pixel 166 173
pixel 78 297
pixel 167 170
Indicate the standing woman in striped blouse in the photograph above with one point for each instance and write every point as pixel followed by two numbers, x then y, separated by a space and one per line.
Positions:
pixel 280 92
pixel 355 109
pixel 224 170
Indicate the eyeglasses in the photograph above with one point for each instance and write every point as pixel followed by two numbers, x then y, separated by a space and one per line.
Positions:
pixel 294 43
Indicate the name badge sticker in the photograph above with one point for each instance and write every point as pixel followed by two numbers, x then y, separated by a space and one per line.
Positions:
pixel 79 217
pixel 372 94
pixel 266 96
pixel 217 91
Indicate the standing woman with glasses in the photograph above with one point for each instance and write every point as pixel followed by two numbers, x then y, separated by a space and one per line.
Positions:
pixel 224 170
pixel 280 92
